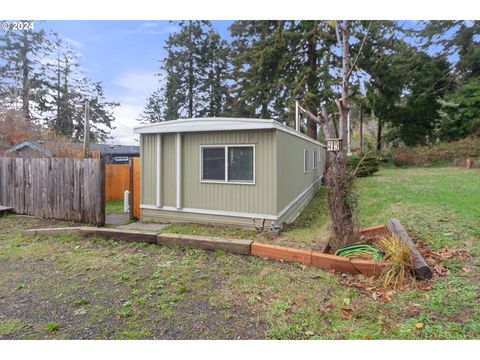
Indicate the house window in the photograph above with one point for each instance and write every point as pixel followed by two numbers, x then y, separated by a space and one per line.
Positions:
pixel 305 160
pixel 228 163
pixel 240 164
pixel 213 163
pixel 315 158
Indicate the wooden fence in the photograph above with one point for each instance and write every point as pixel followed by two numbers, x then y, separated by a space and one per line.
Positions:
pixel 117 180
pixel 58 188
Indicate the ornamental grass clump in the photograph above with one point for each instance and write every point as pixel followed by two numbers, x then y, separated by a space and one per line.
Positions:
pixel 399 262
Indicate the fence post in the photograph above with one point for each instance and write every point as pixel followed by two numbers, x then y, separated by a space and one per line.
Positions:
pixel 130 190
pixel 102 192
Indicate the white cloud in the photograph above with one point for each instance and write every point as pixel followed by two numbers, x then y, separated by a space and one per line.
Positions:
pixel 126 117
pixel 134 87
pixel 137 83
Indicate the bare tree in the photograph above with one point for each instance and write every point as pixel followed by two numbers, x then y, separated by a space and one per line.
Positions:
pixel 340 179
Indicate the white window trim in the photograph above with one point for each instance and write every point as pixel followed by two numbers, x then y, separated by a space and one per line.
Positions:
pixel 315 161
pixel 226 146
pixel 305 160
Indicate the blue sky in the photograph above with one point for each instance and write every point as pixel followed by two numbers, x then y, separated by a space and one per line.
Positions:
pixel 124 56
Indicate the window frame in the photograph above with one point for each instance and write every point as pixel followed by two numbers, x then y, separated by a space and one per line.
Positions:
pixel 305 161
pixel 315 158
pixel 226 181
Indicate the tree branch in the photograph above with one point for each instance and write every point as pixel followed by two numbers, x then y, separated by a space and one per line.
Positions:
pixel 311 116
pixel 359 51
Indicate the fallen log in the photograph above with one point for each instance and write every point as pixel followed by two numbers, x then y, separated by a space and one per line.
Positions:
pixel 421 269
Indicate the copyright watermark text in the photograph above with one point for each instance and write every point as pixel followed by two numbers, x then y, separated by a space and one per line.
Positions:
pixel 17 25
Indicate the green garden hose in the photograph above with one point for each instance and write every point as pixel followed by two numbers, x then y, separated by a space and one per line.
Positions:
pixel 358 249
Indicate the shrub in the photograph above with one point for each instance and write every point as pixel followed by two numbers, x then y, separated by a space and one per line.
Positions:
pixel 363 166
pixel 430 154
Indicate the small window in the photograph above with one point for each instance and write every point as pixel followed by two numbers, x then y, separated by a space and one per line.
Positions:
pixel 213 163
pixel 305 160
pixel 240 164
pixel 228 163
pixel 315 158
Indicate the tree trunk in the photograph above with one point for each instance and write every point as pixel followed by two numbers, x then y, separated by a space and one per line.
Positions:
pixel 25 79
pixel 312 82
pixel 379 134
pixel 361 129
pixel 342 104
pixel 190 74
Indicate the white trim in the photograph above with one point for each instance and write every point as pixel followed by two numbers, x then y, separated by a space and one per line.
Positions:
pixel 314 159
pixel 305 160
pixel 178 168
pixel 159 171
pixel 218 124
pixel 298 198
pixel 212 212
pixel 226 181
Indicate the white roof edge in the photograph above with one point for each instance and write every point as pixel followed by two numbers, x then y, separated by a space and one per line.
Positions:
pixel 218 124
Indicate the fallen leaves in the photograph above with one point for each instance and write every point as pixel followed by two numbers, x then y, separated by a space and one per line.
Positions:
pixel 419 325
pixel 347 313
pixel 368 287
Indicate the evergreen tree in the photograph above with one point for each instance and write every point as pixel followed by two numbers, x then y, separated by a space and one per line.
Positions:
pixel 194 75
pixel 67 86
pixel 214 86
pixel 21 69
pixel 153 111
pixel 184 69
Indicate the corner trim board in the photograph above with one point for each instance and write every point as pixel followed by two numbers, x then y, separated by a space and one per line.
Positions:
pixel 178 168
pixel 159 171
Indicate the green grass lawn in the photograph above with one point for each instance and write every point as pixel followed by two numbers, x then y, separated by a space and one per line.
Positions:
pixel 114 207
pixel 70 287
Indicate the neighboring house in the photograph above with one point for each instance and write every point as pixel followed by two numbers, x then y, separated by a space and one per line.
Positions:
pixel 115 154
pixel 240 172
pixel 29 149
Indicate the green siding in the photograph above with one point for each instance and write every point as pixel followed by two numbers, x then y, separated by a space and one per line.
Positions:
pixel 259 198
pixel 292 180
pixel 160 215
pixel 148 159
pixel 168 183
pixel 279 177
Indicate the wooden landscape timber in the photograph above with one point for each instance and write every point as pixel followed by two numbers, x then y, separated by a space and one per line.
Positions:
pixel 5 210
pixel 319 259
pixel 420 266
pixel 237 246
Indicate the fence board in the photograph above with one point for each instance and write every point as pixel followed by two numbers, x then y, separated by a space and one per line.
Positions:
pixel 117 180
pixel 59 188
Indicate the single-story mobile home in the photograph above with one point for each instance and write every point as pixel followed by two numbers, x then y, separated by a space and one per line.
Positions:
pixel 240 172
